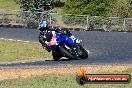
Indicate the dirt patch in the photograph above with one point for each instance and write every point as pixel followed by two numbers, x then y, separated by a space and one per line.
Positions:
pixel 24 73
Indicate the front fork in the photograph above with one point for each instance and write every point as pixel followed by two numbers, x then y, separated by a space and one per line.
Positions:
pixel 76 49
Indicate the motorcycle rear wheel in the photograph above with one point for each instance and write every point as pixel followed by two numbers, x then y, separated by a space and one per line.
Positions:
pixel 56 55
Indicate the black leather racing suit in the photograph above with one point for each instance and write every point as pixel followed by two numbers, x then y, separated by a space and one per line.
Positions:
pixel 45 35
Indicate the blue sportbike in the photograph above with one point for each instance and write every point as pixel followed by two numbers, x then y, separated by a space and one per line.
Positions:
pixel 62 45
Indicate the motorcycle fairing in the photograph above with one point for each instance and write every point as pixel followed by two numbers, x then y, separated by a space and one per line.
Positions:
pixel 57 38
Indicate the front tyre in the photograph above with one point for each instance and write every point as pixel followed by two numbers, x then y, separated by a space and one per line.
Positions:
pixel 66 53
pixel 84 54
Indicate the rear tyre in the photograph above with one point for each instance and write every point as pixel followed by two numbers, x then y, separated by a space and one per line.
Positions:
pixel 56 55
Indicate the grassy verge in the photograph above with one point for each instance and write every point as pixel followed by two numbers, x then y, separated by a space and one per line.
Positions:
pixel 58 81
pixel 17 51
pixel 9 5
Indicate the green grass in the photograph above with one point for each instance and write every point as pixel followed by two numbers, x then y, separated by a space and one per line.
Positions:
pixel 17 51
pixel 57 81
pixel 9 5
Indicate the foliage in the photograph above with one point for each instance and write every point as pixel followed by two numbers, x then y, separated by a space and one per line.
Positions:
pixel 121 8
pixel 39 5
pixel 103 8
pixel 87 7
pixel 91 7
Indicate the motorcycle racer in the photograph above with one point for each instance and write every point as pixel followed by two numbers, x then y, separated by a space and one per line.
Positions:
pixel 46 35
pixel 61 42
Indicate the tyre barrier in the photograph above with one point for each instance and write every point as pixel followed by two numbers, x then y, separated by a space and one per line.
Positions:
pixel 72 29
pixel 11 26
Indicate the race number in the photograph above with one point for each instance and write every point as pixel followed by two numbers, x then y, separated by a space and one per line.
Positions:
pixel 53 40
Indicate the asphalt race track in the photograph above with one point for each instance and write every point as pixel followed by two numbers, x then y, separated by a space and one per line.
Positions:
pixel 104 47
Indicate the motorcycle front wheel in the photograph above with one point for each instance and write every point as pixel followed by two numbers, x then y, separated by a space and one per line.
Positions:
pixel 66 53
pixel 84 54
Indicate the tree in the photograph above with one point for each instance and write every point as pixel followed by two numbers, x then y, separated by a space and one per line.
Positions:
pixel 90 7
pixel 122 8
pixel 38 5
pixel 74 6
